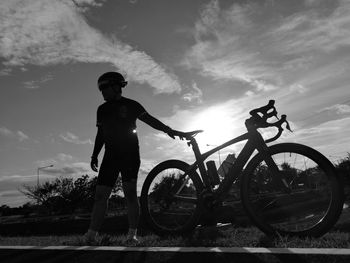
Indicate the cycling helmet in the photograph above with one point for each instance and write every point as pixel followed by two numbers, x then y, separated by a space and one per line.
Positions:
pixel 110 77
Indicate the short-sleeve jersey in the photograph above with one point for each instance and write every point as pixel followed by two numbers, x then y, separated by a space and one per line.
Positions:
pixel 117 119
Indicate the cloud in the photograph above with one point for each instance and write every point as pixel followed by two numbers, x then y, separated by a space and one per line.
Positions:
pixel 35 84
pixel 330 137
pixel 195 95
pixel 74 169
pixel 46 162
pixel 21 136
pixel 298 88
pixel 5 72
pixel 88 3
pixel 17 135
pixel 43 32
pixel 10 193
pixel 338 109
pixel 310 30
pixel 64 157
pixel 271 45
pixel 72 138
pixel 61 158
pixel 18 178
pixel 222 47
pixel 12 198
pixel 63 164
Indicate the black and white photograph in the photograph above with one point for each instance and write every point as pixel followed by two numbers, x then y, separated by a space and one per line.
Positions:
pixel 175 131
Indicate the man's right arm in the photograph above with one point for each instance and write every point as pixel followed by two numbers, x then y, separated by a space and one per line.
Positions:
pixel 97 148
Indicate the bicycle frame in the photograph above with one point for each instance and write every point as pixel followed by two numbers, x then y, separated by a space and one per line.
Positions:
pixel 254 142
pixel 304 197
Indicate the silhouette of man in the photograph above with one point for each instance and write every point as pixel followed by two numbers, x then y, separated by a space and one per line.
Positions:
pixel 116 123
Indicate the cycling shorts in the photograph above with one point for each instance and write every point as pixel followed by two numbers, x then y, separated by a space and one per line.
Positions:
pixel 127 164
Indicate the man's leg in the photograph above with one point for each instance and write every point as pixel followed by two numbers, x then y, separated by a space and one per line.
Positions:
pixel 100 206
pixel 130 192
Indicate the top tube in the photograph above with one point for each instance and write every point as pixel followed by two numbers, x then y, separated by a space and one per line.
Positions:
pixel 224 145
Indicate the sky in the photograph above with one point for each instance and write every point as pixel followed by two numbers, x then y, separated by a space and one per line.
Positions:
pixel 191 64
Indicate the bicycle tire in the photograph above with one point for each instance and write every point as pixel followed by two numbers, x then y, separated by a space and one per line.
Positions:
pixel 160 213
pixel 315 202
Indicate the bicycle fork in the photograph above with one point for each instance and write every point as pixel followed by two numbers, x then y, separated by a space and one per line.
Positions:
pixel 272 166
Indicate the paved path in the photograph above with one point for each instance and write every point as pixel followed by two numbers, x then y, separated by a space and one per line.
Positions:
pixel 86 254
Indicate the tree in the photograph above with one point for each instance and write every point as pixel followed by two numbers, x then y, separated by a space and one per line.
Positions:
pixel 343 167
pixel 5 210
pixel 39 194
pixel 261 180
pixel 162 192
pixel 289 173
pixel 65 195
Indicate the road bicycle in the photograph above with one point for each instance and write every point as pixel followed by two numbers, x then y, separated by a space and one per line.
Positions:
pixel 285 189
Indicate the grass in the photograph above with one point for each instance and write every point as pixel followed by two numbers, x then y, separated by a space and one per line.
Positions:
pixel 206 237
pixel 228 236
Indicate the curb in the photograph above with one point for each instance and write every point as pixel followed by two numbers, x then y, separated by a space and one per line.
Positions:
pixel 237 250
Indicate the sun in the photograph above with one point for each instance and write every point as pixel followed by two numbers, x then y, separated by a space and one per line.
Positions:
pixel 217 123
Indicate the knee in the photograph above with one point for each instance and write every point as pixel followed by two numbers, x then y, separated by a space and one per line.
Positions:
pixel 102 193
pixel 130 190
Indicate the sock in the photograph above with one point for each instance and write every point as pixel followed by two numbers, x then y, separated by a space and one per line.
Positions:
pixel 92 233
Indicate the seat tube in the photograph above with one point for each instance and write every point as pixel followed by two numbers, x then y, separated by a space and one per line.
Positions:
pixel 201 165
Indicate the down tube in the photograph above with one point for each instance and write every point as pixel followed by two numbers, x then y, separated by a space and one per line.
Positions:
pixel 237 168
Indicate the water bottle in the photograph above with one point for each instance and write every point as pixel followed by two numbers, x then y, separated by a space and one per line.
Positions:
pixel 213 173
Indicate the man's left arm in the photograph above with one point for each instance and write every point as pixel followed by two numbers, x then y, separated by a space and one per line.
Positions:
pixel 156 124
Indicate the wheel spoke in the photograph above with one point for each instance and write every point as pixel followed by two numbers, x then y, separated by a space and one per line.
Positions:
pixel 311 199
pixel 170 198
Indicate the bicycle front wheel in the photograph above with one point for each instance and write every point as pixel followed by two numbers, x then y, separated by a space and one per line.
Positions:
pixel 170 198
pixel 314 202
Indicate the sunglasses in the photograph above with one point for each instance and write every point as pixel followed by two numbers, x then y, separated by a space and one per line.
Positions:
pixel 107 84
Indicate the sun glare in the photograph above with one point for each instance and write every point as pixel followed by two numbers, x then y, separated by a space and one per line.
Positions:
pixel 217 124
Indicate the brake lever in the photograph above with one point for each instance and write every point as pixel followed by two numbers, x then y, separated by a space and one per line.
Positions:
pixel 288 126
pixel 284 120
pixel 279 124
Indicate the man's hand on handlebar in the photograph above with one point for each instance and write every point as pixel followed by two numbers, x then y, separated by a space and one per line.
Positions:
pixel 172 133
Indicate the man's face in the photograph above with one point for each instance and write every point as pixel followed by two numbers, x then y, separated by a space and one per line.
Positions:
pixel 111 91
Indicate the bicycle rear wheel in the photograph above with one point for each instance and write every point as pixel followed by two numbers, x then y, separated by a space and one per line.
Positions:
pixel 311 208
pixel 169 198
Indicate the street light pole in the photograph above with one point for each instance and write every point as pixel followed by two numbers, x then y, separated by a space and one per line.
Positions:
pixel 40 168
